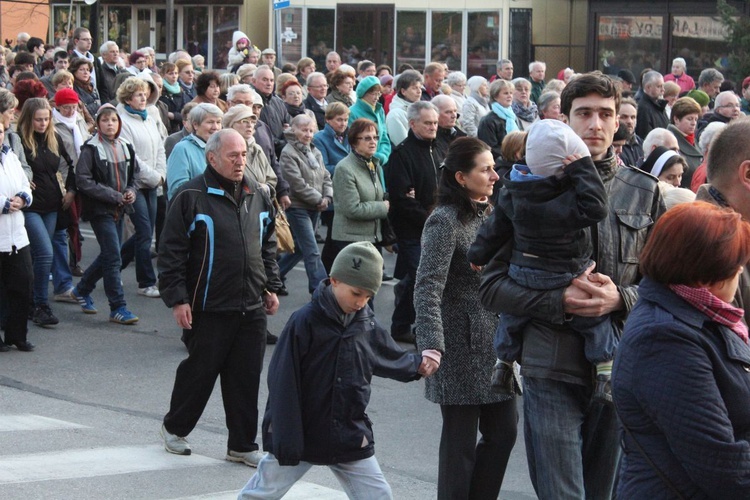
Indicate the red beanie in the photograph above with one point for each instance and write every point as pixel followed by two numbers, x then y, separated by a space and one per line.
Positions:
pixel 66 96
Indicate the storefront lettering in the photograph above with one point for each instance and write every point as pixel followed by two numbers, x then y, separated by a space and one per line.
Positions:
pixel 629 27
pixel 707 28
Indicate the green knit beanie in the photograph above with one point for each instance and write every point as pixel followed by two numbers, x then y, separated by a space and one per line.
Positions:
pixel 359 265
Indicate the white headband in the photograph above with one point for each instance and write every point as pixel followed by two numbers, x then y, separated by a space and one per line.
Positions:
pixel 659 165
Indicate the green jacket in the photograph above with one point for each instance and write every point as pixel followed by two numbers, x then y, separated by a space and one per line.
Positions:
pixel 358 198
pixel 361 109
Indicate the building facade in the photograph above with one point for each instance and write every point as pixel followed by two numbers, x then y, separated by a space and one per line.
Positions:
pixel 470 35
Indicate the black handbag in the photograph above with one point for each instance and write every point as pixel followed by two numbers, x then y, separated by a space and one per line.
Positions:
pixel 388 236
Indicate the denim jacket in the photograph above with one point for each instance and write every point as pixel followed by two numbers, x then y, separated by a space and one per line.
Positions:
pixel 551 349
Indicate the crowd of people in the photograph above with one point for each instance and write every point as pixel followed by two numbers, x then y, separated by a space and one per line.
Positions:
pixel 549 225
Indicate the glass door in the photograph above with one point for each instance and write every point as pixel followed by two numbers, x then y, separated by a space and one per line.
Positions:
pixel 365 32
pixel 151 30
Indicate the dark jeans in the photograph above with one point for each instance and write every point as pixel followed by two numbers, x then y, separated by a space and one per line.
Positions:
pixel 107 264
pixel 15 275
pixel 230 345
pixel 407 263
pixel 161 216
pixel 572 444
pixel 600 339
pixel 40 228
pixel 302 223
pixel 469 469
pixel 330 248
pixel 138 246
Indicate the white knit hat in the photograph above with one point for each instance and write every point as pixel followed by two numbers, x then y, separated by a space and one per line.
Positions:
pixel 548 143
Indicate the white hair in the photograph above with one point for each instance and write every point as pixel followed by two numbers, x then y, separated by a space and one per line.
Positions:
pixel 708 135
pixel 657 137
pixel 106 45
pixel 535 63
pixel 455 78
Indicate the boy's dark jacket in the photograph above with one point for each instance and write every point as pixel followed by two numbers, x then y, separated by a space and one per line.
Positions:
pixel 319 383
pixel 547 219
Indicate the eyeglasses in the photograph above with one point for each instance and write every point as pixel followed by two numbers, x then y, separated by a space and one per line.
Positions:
pixel 85 39
pixel 324 86
pixel 369 138
pixel 247 121
pixel 729 106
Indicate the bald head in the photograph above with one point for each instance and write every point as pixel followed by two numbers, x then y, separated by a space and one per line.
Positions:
pixel 727 105
pixel 447 111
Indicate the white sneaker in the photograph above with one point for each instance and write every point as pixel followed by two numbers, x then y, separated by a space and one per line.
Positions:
pixel 251 458
pixel 149 291
pixel 174 444
pixel 66 297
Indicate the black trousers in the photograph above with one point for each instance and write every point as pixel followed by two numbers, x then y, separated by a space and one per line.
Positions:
pixel 469 469
pixel 16 276
pixel 230 346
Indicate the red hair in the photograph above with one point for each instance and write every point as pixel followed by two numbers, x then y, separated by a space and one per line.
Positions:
pixel 696 244
pixel 290 83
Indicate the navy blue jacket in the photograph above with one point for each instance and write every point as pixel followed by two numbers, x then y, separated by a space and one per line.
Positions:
pixel 319 383
pixel 681 384
pixel 547 218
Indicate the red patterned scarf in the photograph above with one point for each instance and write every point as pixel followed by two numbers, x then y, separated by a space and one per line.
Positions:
pixel 716 309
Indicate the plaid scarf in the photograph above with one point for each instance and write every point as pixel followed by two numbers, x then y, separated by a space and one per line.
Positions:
pixel 716 309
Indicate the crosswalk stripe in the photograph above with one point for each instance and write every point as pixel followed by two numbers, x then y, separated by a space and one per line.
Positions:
pixel 302 490
pixel 29 422
pixel 79 463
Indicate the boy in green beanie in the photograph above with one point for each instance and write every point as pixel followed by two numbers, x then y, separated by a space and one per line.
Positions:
pixel 319 384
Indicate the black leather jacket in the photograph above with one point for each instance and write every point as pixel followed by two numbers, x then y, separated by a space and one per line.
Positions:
pixel 551 350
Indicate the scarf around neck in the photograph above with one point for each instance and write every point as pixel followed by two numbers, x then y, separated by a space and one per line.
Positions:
pixel 481 100
pixel 526 113
pixel 716 309
pixel 306 150
pixel 172 88
pixel 73 126
pixel 142 113
pixel 506 114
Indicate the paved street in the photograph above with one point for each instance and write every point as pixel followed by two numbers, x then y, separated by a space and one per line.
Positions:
pixel 80 416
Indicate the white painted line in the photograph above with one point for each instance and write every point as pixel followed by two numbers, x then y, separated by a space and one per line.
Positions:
pixel 68 464
pixel 302 490
pixel 29 422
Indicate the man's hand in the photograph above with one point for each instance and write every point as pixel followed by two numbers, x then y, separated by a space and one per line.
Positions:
pixel 323 205
pixel 270 303
pixel 68 199
pixel 592 295
pixel 128 197
pixel 183 315
pixel 285 202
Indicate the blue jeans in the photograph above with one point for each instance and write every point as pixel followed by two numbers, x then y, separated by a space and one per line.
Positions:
pixel 302 223
pixel 572 444
pixel 403 317
pixel 360 479
pixel 138 246
pixel 107 264
pixel 41 229
pixel 600 339
pixel 62 279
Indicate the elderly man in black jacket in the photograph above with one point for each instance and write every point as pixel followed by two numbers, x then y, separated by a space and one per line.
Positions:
pixel 572 442
pixel 317 90
pixel 413 173
pixel 651 113
pixel 218 274
pixel 274 112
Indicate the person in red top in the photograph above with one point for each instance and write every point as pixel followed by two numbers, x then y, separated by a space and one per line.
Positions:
pixel 679 75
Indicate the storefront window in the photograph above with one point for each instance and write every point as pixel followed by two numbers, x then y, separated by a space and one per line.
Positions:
pixel 195 31
pixel 410 39
pixel 226 22
pixel 484 38
pixel 118 27
pixel 701 41
pixel 60 14
pixel 446 38
pixel 629 42
pixel 321 24
pixel 291 37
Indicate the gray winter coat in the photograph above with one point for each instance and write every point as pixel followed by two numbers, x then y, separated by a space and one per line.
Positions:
pixel 308 185
pixel 450 318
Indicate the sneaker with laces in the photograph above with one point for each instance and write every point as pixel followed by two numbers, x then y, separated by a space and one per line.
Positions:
pixel 174 444
pixel 66 296
pixel 43 316
pixel 149 291
pixel 250 458
pixel 122 316
pixel 85 301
